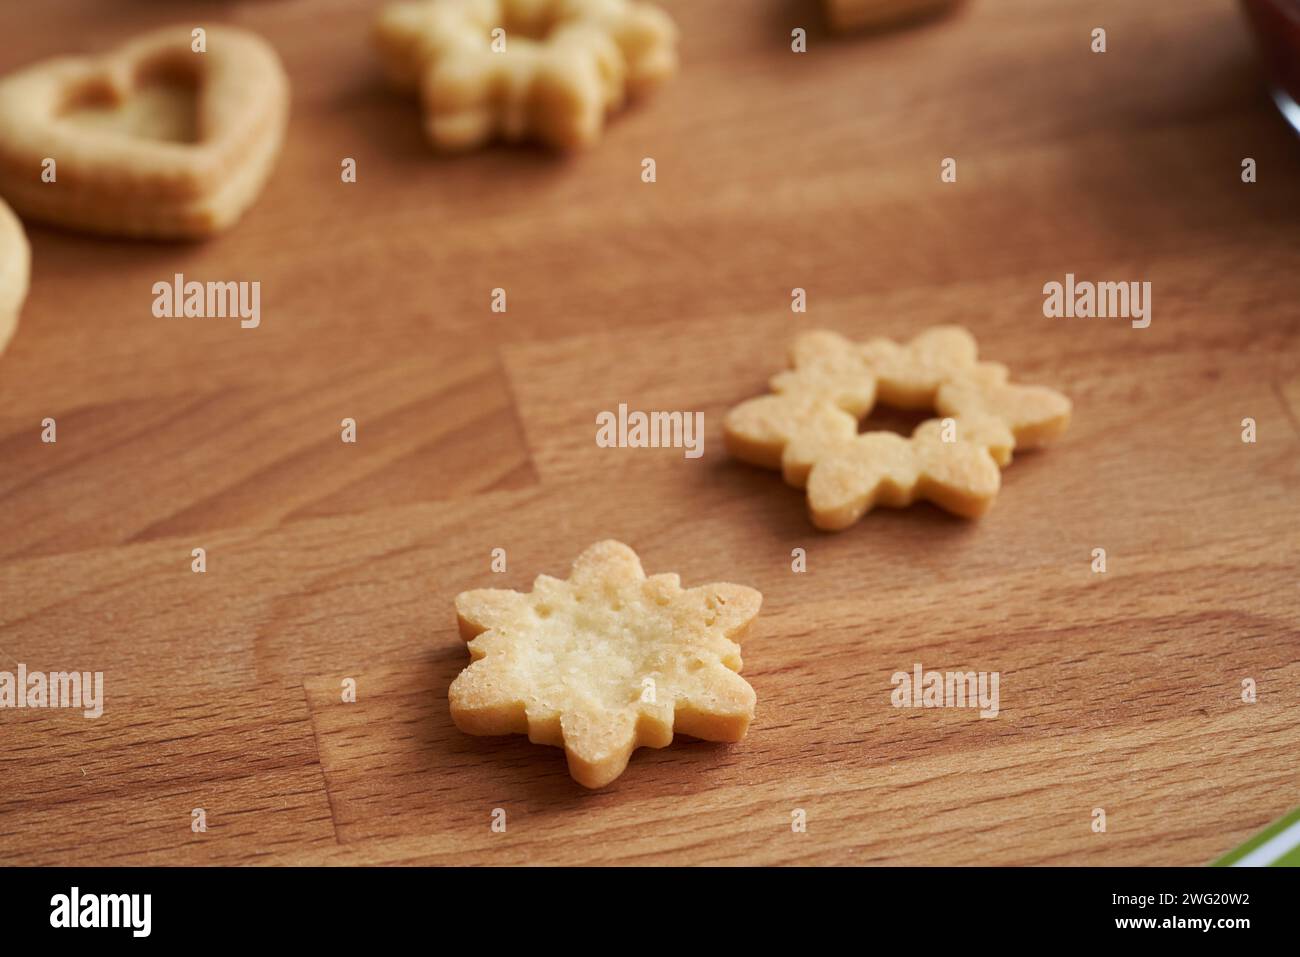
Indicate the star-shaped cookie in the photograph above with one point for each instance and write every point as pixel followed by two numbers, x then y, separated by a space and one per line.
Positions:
pixel 604 662
pixel 808 425
pixel 546 70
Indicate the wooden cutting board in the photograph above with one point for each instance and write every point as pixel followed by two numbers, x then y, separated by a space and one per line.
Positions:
pixel 327 561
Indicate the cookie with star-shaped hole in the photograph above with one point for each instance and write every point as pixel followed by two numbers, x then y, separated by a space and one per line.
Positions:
pixel 605 661
pixel 808 425
pixel 512 70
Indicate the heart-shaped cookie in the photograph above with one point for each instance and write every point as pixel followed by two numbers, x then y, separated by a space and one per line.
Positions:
pixel 153 139
pixel 15 266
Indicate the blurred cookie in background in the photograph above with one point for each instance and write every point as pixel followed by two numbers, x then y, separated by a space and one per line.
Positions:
pixel 15 267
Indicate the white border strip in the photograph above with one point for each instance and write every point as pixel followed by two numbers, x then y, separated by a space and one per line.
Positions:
pixel 1272 849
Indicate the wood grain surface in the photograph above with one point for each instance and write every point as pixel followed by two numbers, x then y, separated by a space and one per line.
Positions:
pixel 476 431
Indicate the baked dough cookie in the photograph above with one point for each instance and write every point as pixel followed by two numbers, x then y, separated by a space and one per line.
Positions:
pixel 808 426
pixel 151 140
pixel 880 468
pixel 15 268
pixel 547 70
pixel 605 662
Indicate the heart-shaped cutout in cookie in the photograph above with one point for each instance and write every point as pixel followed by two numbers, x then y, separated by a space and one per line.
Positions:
pixel 164 108
pixel 155 139
pixel 15 267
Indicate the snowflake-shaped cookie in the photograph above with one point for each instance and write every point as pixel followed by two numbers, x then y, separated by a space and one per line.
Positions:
pixel 548 70
pixel 808 426
pixel 959 474
pixel 605 662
